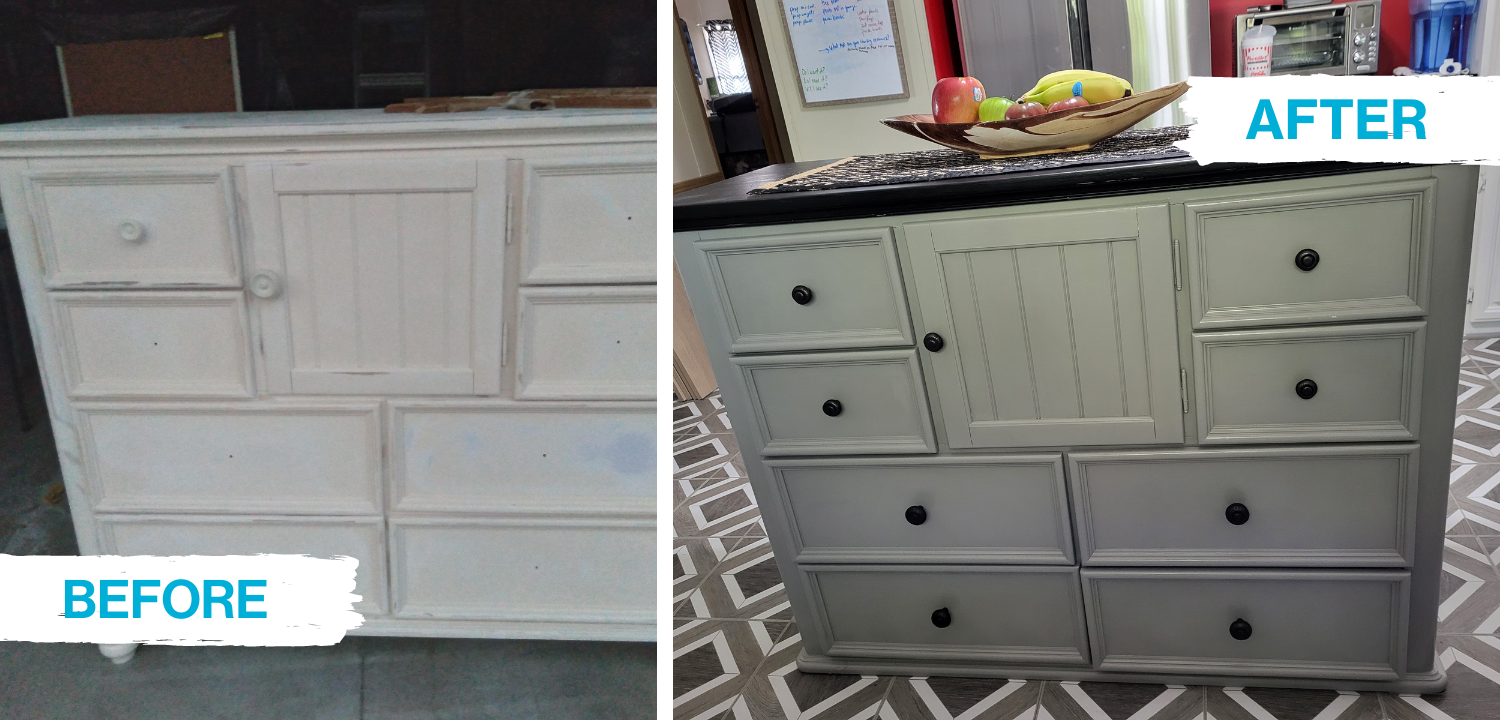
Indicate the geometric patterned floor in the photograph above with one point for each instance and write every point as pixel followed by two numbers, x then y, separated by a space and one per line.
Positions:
pixel 735 643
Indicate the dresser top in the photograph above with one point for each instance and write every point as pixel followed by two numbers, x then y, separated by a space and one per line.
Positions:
pixel 307 123
pixel 728 203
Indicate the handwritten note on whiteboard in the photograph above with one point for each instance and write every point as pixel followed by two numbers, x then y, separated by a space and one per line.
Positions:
pixel 846 50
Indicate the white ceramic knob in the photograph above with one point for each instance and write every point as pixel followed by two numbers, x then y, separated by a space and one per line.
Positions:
pixel 132 230
pixel 265 284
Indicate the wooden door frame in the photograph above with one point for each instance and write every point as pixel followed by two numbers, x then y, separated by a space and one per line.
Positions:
pixel 762 80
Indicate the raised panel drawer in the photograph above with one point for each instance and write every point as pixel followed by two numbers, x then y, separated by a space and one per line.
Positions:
pixel 589 221
pixel 978 509
pixel 148 228
pixel 1022 614
pixel 1308 624
pixel 520 570
pixel 1371 244
pixel 360 538
pixel 879 405
pixel 1366 384
pixel 154 344
pixel 594 343
pixel 528 457
pixel 848 291
pixel 1323 506
pixel 280 458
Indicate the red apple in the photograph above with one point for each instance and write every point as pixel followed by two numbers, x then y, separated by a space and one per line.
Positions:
pixel 956 100
pixel 1024 110
pixel 1066 103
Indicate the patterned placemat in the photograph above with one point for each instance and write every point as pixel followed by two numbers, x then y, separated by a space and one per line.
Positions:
pixel 924 165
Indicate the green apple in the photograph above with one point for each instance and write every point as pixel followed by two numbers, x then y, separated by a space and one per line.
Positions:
pixel 994 108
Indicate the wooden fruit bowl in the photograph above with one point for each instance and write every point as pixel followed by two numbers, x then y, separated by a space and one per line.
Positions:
pixel 1054 132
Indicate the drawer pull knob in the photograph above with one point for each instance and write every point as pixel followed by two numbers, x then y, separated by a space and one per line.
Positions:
pixel 942 618
pixel 916 514
pixel 1239 629
pixel 132 231
pixel 832 408
pixel 802 294
pixel 1307 259
pixel 933 342
pixel 1306 389
pixel 265 284
pixel 1237 514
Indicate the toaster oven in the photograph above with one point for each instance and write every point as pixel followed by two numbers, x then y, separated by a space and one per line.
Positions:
pixel 1341 39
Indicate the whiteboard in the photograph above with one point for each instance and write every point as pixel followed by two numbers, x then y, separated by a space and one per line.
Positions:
pixel 846 51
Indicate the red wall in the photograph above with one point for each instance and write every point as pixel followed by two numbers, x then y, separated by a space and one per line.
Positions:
pixel 1395 33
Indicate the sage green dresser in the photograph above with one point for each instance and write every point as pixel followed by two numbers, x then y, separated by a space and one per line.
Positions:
pixel 1154 423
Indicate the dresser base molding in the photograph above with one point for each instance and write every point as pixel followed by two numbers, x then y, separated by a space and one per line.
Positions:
pixel 1433 681
pixel 503 630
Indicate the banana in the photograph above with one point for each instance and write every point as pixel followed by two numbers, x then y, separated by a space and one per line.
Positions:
pixel 1097 84
pixel 1095 90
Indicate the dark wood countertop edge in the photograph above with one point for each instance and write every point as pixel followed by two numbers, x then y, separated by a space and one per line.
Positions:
pixel 727 205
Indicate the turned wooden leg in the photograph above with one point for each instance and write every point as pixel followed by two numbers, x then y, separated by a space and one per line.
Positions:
pixel 119 654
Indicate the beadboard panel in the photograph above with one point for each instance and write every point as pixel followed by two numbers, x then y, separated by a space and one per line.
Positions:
pixel 1300 502
pixel 154 344
pixel 857 299
pixel 974 509
pixel 1368 384
pixel 1372 243
pixel 165 535
pixel 1059 327
pixel 587 343
pixel 587 221
pixel 391 275
pixel 523 457
pixel 1329 624
pixel 233 457
pixel 524 569
pixel 136 228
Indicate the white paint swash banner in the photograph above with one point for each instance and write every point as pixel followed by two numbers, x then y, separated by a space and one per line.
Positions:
pixel 1301 118
pixel 194 600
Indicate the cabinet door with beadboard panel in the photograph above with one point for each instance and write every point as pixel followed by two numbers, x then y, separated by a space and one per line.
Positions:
pixel 380 277
pixel 1057 328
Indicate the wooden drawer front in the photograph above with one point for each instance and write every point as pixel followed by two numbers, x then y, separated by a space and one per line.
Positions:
pixel 587 344
pixel 359 538
pixel 1348 624
pixel 1011 510
pixel 477 457
pixel 154 344
pixel 1371 242
pixel 855 291
pixel 136 229
pixel 589 221
pixel 547 571
pixel 1321 506
pixel 1023 614
pixel 1368 382
pixel 882 407
pixel 252 458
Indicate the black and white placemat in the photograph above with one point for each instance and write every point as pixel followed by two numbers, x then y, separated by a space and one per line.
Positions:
pixel 924 165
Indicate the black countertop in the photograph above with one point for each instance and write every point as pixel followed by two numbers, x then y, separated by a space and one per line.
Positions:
pixel 727 203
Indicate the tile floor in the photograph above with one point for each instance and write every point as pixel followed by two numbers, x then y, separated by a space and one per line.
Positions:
pixel 735 642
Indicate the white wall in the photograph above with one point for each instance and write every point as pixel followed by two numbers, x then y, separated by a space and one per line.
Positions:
pixel 837 131
pixel 693 154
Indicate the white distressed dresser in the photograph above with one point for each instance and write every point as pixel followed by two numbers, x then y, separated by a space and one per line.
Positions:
pixel 423 341
pixel 1147 422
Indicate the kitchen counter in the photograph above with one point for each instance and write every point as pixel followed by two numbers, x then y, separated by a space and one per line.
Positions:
pixel 728 204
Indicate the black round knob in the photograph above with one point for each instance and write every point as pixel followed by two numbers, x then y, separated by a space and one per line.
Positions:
pixel 916 514
pixel 1306 259
pixel 802 294
pixel 942 618
pixel 1306 389
pixel 1237 514
pixel 933 342
pixel 832 408
pixel 1239 629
